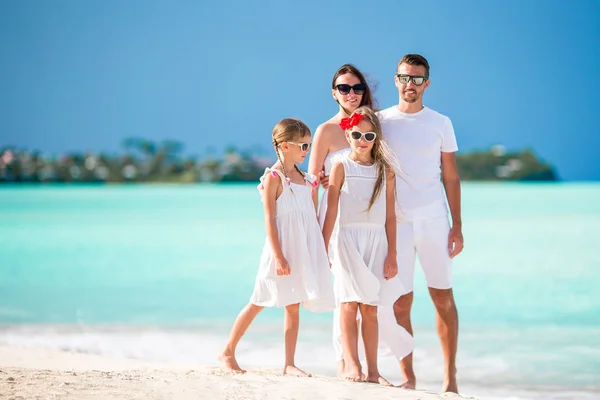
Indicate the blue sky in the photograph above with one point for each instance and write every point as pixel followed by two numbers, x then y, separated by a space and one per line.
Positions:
pixel 84 75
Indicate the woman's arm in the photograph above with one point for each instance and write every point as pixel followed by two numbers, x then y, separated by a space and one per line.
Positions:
pixel 320 148
pixel 336 181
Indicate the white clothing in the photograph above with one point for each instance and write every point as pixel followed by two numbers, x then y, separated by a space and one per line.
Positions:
pixel 394 340
pixel 302 245
pixel 418 141
pixel 331 159
pixel 358 250
pixel 429 239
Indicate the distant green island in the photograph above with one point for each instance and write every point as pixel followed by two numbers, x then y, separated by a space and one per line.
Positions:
pixel 145 161
pixel 496 164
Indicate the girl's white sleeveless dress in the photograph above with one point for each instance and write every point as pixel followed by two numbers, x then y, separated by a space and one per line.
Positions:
pixel 360 246
pixel 302 244
pixel 358 251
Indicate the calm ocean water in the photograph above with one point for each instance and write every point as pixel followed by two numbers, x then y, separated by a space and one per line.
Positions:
pixel 160 272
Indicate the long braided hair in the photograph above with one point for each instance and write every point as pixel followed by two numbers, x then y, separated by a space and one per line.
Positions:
pixel 288 130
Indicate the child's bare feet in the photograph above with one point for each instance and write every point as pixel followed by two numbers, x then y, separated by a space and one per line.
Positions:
pixel 450 384
pixel 294 371
pixel 341 369
pixel 353 373
pixel 376 378
pixel 227 358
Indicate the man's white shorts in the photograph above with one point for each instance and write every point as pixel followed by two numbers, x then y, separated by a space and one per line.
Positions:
pixel 427 239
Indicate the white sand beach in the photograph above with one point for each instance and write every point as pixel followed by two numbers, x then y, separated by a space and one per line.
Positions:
pixel 28 373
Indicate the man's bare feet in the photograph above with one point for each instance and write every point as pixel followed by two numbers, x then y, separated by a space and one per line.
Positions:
pixel 229 362
pixel 410 384
pixel 376 378
pixel 294 371
pixel 450 384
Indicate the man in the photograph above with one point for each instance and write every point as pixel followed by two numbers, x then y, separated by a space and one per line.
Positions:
pixel 424 143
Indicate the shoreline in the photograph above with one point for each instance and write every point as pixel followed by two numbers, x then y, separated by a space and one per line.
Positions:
pixel 41 373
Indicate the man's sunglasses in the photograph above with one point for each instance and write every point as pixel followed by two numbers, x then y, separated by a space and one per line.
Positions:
pixel 417 79
pixel 303 146
pixel 367 136
pixel 344 88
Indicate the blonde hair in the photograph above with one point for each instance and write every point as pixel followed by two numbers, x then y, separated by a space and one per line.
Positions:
pixel 385 160
pixel 288 130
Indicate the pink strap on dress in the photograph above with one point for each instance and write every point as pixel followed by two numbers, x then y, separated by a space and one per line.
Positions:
pixel 274 173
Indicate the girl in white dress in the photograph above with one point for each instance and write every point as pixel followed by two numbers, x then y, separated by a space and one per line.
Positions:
pixel 294 268
pixel 350 89
pixel 361 202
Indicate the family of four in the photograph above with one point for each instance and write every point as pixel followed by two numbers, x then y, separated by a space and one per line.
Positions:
pixel 390 178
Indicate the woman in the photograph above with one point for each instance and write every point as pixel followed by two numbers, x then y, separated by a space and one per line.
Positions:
pixel 350 90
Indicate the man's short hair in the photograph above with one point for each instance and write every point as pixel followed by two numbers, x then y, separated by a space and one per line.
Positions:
pixel 415 59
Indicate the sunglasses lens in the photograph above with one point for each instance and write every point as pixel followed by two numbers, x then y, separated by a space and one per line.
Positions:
pixel 359 88
pixel 355 135
pixel 369 136
pixel 343 88
pixel 305 147
pixel 403 79
pixel 418 80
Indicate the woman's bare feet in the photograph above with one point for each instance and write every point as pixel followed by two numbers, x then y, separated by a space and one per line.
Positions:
pixel 294 371
pixel 227 359
pixel 340 369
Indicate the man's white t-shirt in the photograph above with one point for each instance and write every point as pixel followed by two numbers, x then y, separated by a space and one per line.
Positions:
pixel 418 141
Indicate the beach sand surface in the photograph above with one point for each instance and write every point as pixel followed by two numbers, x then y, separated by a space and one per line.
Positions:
pixel 28 373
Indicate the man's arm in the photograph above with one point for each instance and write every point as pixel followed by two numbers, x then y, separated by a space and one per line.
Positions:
pixel 451 182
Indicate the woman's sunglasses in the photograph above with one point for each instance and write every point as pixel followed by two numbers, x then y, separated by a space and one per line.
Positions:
pixel 367 136
pixel 303 146
pixel 344 88
pixel 417 79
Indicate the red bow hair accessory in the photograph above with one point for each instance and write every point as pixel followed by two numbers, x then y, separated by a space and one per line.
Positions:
pixel 348 123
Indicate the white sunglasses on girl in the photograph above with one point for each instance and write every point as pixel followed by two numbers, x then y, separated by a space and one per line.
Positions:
pixel 303 146
pixel 367 136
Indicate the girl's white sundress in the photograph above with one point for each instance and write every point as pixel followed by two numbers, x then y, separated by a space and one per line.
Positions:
pixel 302 244
pixel 358 251
pixel 360 246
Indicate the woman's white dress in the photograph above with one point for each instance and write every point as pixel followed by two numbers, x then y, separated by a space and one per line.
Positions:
pixel 302 245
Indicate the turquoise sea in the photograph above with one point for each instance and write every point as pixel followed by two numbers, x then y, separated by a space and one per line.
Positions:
pixel 160 272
